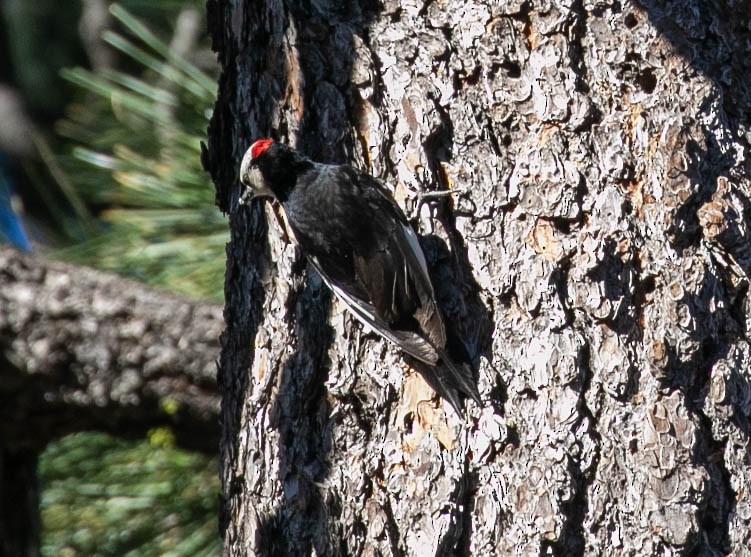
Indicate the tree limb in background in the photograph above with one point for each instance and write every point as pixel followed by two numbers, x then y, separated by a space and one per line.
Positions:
pixel 81 349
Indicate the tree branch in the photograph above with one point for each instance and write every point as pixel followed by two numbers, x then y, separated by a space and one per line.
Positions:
pixel 81 349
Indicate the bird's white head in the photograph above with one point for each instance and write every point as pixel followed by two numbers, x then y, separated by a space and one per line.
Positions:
pixel 251 175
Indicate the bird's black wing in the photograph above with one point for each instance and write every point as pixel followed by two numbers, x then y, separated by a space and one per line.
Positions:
pixel 447 375
pixel 409 341
pixel 396 276
pixel 367 253
pixel 362 245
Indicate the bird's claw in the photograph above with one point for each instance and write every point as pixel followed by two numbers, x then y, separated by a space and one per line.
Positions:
pixel 428 197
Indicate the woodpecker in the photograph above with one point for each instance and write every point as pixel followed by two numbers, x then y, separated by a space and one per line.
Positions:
pixel 354 234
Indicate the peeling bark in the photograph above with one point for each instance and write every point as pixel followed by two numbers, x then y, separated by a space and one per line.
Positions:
pixel 594 256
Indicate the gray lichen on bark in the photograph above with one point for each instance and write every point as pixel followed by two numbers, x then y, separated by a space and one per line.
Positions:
pixel 594 257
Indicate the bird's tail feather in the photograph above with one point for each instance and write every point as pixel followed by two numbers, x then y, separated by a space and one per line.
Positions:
pixel 461 377
pixel 450 380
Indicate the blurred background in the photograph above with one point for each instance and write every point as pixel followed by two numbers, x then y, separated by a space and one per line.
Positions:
pixel 103 106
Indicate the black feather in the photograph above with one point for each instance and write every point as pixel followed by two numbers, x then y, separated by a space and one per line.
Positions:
pixel 359 240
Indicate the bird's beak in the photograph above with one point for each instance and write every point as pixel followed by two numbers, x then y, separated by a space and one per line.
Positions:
pixel 255 185
pixel 246 196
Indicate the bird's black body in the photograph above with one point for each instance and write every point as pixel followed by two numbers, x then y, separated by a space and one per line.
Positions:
pixel 359 240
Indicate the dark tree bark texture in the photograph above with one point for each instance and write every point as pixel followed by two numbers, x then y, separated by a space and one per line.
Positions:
pixel 594 257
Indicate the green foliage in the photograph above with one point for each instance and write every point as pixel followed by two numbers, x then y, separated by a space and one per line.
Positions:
pixel 132 499
pixel 142 206
pixel 137 161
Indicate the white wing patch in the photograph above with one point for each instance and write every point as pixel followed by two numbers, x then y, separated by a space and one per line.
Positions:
pixel 414 245
pixel 411 343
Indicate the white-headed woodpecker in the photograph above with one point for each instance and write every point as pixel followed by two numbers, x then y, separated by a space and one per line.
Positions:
pixel 358 239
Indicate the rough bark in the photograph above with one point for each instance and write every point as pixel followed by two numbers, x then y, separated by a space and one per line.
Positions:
pixel 85 350
pixel 595 257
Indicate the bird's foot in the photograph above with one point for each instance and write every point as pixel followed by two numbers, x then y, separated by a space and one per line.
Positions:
pixel 430 198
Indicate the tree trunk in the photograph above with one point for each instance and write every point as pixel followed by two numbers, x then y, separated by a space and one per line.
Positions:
pixel 594 256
